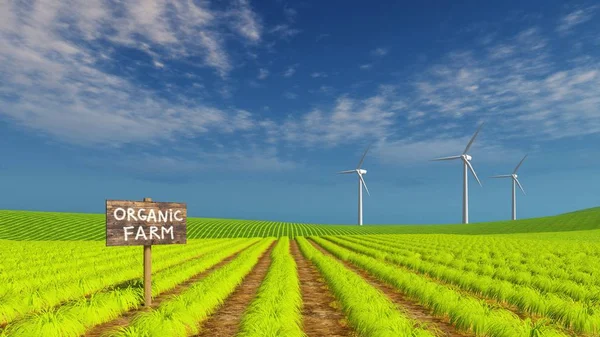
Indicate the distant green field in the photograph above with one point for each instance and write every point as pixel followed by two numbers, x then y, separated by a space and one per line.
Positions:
pixel 26 225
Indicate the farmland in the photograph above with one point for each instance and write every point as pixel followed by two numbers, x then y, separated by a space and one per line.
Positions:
pixel 534 277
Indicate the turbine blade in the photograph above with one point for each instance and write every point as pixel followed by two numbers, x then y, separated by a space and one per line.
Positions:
pixel 446 158
pixel 521 162
pixel 363 157
pixel 472 139
pixel 502 176
pixel 473 171
pixel 346 172
pixel 364 183
pixel 521 187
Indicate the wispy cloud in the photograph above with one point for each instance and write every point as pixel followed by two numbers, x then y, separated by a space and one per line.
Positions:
pixel 575 18
pixel 262 73
pixel 318 74
pixel 520 84
pixel 347 121
pixel 284 31
pixel 290 95
pixel 380 51
pixel 59 81
pixel 290 71
pixel 366 66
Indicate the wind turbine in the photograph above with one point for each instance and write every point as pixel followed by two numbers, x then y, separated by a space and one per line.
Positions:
pixel 466 166
pixel 361 183
pixel 514 181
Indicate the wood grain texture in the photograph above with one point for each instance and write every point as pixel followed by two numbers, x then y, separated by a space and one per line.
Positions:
pixel 116 223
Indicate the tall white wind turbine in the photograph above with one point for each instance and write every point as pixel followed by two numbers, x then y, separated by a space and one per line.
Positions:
pixel 515 182
pixel 466 167
pixel 361 182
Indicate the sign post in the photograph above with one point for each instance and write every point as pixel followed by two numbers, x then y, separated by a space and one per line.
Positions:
pixel 147 270
pixel 146 223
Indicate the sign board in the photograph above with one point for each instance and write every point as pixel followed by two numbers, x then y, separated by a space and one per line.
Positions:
pixel 132 223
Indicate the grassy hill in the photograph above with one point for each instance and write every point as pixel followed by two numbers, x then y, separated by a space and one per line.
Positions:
pixel 26 225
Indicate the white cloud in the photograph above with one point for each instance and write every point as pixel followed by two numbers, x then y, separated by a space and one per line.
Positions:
pixel 290 95
pixel 366 66
pixel 245 21
pixel 347 121
pixel 262 73
pixel 290 71
pixel 517 84
pixel 54 83
pixel 379 51
pixel 575 18
pixel 284 31
pixel 318 74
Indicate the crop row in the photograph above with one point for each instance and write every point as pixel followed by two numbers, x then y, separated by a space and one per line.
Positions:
pixel 368 310
pixel 18 301
pixel 565 260
pixel 182 315
pixel 74 318
pixel 569 314
pixel 276 310
pixel 74 268
pixel 466 313
pixel 543 282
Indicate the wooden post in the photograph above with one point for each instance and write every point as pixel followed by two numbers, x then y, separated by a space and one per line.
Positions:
pixel 147 271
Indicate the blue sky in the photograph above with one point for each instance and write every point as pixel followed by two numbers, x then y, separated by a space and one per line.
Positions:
pixel 247 109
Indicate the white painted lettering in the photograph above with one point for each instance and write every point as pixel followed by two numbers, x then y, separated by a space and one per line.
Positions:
pixel 140 232
pixel 170 215
pixel 165 230
pixel 151 216
pixel 162 217
pixel 126 233
pixel 119 217
pixel 140 215
pixel 175 215
pixel 153 230
pixel 131 214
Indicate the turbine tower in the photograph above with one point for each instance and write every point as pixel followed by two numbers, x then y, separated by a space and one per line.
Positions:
pixel 466 167
pixel 515 182
pixel 361 182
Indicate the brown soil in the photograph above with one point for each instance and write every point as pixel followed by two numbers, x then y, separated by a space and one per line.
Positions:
pixel 413 310
pixel 320 313
pixel 226 320
pixel 125 319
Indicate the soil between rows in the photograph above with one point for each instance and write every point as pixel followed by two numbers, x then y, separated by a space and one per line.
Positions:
pixel 125 319
pixel 412 309
pixel 320 318
pixel 226 320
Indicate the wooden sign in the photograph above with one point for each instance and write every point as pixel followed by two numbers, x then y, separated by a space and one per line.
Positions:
pixel 132 223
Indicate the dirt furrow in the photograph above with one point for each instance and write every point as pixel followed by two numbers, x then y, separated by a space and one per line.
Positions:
pixel 124 320
pixel 321 315
pixel 226 320
pixel 412 309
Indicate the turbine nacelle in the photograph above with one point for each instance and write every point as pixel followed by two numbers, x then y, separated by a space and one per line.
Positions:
pixel 515 176
pixel 361 171
pixel 467 157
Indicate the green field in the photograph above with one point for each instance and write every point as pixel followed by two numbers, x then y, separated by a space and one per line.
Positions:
pixel 75 226
pixel 532 277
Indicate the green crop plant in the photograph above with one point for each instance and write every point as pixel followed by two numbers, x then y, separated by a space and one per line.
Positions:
pixel 466 313
pixel 276 310
pixel 181 315
pixel 102 307
pixel 368 310
pixel 571 315
pixel 48 289
pixel 577 285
